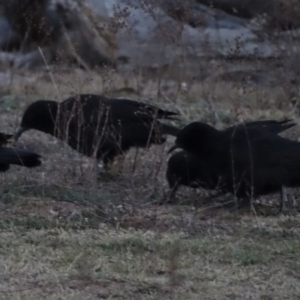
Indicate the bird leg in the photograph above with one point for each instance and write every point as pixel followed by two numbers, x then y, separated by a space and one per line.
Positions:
pixel 108 159
pixel 111 170
pixel 283 201
pixel 107 164
pixel 171 197
pixel 119 165
pixel 104 173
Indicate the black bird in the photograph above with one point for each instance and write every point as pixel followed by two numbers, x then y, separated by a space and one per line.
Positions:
pixel 16 156
pixel 189 170
pixel 97 126
pixel 247 160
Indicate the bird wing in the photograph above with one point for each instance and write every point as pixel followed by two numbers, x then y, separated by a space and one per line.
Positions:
pixel 98 110
pixel 261 160
pixel 271 159
pixel 266 148
pixel 93 119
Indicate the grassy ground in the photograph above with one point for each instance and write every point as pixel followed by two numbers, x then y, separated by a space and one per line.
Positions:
pixel 67 235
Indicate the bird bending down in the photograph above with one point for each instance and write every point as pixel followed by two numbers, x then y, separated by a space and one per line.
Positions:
pixel 16 156
pixel 247 160
pixel 97 126
pixel 189 170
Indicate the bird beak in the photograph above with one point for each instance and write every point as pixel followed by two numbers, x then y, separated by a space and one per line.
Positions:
pixel 173 148
pixel 18 133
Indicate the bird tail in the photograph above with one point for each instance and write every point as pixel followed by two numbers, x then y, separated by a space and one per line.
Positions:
pixel 285 125
pixel 159 113
pixel 169 129
pixel 168 115
pixel 273 126
pixel 21 157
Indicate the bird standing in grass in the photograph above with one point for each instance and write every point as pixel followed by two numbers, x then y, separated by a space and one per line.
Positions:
pixel 248 160
pixel 16 156
pixel 97 126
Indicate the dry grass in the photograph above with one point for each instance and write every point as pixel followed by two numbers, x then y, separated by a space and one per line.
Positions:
pixel 109 263
pixel 66 235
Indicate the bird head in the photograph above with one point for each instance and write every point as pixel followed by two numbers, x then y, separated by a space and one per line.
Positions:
pixel 195 138
pixel 39 115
